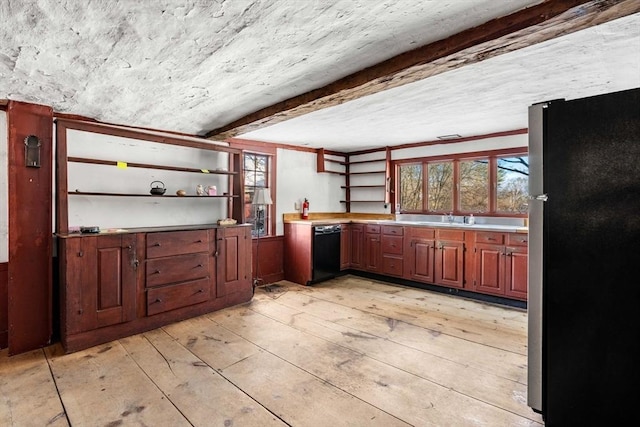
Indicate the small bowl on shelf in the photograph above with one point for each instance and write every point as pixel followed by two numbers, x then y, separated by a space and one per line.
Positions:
pixel 181 193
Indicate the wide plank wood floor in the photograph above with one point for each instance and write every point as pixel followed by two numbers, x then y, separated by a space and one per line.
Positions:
pixel 346 352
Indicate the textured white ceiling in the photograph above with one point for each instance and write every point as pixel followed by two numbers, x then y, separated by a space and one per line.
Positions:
pixel 192 66
pixel 481 98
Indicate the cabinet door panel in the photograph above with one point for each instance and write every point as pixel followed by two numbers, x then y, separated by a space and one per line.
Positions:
pixel 489 276
pixel 115 279
pixel 345 247
pixel 450 264
pixel 357 243
pixel 234 260
pixel 421 260
pixel 373 253
pixel 517 273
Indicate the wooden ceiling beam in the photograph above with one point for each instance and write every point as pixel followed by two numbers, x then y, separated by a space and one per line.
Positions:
pixel 524 28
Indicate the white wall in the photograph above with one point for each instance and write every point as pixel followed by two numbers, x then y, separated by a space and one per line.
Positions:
pixel 125 212
pixel 297 178
pixel 496 143
pixel 4 189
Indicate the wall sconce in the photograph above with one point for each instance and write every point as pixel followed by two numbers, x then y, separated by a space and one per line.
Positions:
pixel 32 151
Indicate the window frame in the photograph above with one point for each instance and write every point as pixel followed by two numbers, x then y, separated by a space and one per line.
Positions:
pixel 270 209
pixel 492 157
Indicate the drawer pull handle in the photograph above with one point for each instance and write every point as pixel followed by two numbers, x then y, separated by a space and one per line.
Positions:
pixel 158 300
pixel 198 241
pixel 156 244
pixel 200 291
pixel 199 265
pixel 491 238
pixel 156 272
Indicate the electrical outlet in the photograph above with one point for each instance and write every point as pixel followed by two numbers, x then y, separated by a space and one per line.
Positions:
pixel 296 206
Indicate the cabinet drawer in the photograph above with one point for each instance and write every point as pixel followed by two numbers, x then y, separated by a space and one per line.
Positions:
pixel 489 237
pixel 392 244
pixel 392 265
pixel 517 239
pixel 176 243
pixel 179 268
pixel 372 228
pixel 392 230
pixel 451 235
pixel 423 232
pixel 175 296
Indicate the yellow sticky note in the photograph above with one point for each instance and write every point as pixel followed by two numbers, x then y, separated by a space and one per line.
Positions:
pixel 121 165
pixel 205 170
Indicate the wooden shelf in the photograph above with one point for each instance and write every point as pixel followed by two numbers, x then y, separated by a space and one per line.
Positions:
pixel 358 162
pixel 148 166
pixel 363 186
pixel 364 173
pixel 362 201
pixel 90 193
pixel 230 159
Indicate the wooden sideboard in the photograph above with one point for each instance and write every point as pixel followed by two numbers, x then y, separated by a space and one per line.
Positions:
pixel 117 284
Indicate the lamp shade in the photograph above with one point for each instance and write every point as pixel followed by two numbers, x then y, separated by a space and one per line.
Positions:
pixel 262 197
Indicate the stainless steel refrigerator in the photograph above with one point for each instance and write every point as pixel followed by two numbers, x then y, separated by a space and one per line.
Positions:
pixel 584 260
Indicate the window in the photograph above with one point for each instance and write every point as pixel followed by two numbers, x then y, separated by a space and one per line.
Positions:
pixel 440 189
pixel 487 183
pixel 474 185
pixel 411 187
pixel 256 176
pixel 513 183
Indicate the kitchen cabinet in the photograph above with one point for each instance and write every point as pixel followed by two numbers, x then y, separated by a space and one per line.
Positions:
pixel 116 285
pixel 517 268
pixel 419 253
pixel 98 274
pixel 298 244
pixel 345 247
pixel 501 264
pixel 435 256
pixel 392 239
pixel 449 263
pixel 372 248
pixel 357 246
pixel 233 252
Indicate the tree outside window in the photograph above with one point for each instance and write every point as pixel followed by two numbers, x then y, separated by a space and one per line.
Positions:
pixel 256 175
pixel 474 185
pixel 513 184
pixel 440 188
pixel 410 187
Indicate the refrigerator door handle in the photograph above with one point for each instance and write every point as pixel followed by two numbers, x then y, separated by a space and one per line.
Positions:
pixel 542 197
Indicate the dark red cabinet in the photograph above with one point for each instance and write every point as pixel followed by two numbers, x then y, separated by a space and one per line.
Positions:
pixel 99 273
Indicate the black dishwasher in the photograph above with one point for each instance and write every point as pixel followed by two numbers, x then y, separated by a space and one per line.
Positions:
pixel 326 252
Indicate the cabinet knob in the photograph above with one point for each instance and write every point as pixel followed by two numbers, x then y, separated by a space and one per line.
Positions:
pixel 128 247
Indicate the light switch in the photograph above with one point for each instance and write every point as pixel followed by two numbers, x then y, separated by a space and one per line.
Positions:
pixel 296 206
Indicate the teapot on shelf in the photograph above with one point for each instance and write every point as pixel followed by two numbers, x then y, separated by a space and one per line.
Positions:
pixel 158 190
